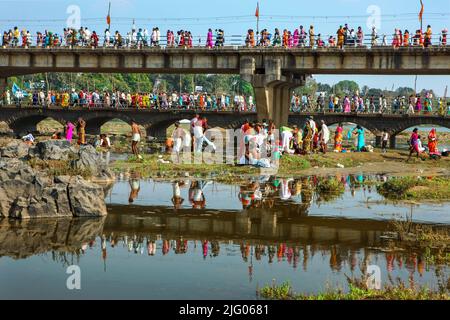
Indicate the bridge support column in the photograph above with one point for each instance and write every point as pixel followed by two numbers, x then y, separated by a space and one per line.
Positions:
pixel 272 102
pixel 392 141
pixel 378 141
pixel 272 88
pixel 3 86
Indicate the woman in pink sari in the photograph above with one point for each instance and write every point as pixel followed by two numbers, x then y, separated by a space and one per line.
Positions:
pixel 347 107
pixel 209 39
pixel 296 38
pixel 69 131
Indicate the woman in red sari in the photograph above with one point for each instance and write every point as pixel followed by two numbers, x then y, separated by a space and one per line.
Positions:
pixel 432 142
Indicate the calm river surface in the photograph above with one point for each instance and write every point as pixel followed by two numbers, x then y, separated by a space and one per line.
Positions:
pixel 191 239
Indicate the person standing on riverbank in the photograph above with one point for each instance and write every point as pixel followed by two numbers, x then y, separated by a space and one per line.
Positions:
pixel 414 144
pixel 324 137
pixel 384 140
pixel 361 141
pixel 338 138
pixel 81 130
pixel 135 139
pixel 69 131
pixel 432 142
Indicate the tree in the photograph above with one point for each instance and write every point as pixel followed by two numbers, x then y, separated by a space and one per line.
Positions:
pixel 346 87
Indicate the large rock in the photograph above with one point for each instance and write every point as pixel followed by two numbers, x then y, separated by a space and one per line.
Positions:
pixel 26 193
pixel 53 150
pixel 86 199
pixel 90 160
pixel 15 149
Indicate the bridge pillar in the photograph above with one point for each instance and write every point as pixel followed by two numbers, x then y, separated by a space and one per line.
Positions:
pixel 378 141
pixel 272 88
pixel 392 141
pixel 3 85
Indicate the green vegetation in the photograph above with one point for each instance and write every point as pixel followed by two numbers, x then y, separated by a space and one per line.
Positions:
pixel 357 291
pixel 404 188
pixel 214 84
pixel 329 189
pixel 59 168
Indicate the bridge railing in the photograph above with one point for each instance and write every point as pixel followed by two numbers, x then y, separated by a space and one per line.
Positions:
pixel 402 111
pixel 234 41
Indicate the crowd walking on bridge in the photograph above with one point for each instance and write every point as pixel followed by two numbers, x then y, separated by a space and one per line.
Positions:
pixel 346 36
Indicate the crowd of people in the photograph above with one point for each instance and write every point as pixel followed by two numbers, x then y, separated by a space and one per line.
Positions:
pixel 144 100
pixel 203 101
pixel 346 36
pixel 413 104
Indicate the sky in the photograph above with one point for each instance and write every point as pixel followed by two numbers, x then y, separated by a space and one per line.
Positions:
pixel 236 17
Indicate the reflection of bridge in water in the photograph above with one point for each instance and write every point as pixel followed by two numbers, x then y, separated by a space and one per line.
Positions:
pixel 280 224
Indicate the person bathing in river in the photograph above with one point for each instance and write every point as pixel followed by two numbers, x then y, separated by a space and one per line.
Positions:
pixel 135 139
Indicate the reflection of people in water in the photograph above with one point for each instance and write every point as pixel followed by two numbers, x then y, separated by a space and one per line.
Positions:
pixel 196 195
pixel 205 248
pixel 135 188
pixel 151 247
pixel 177 200
pixel 250 195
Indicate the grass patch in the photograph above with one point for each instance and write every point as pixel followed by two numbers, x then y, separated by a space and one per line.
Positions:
pixel 358 290
pixel 409 188
pixel 329 189
pixel 59 168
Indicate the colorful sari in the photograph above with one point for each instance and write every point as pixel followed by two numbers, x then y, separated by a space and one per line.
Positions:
pixel 338 138
pixel 432 142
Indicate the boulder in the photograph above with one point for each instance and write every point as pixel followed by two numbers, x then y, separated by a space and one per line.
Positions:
pixel 86 199
pixel 15 149
pixel 53 150
pixel 90 160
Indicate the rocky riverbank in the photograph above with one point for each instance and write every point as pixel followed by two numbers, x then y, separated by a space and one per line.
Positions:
pixel 30 190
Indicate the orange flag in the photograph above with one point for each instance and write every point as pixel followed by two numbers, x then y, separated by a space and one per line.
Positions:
pixel 257 10
pixel 421 11
pixel 108 17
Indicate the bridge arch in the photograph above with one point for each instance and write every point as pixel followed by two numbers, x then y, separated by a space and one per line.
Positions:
pixel 22 124
pixel 95 122
pixel 49 125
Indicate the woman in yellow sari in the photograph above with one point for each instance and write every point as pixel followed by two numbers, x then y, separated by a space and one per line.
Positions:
pixel 338 138
pixel 307 137
pixel 65 100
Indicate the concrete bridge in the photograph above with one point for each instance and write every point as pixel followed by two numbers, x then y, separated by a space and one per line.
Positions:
pixel 273 72
pixel 156 122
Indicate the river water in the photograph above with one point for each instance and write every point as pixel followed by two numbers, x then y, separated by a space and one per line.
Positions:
pixel 191 239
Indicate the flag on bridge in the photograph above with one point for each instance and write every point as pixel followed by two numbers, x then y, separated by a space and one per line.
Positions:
pixel 421 11
pixel 108 17
pixel 257 10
